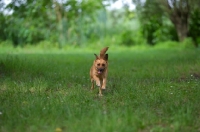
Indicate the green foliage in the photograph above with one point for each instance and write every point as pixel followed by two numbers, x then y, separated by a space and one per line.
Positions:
pixel 195 26
pixel 87 22
pixel 2 27
pixel 35 21
pixel 168 45
pixel 188 43
pixel 150 17
pixel 127 38
pixel 164 32
pixel 155 25
pixel 29 22
pixel 6 44
pixel 131 38
pixel 159 19
pixel 51 91
pixel 43 45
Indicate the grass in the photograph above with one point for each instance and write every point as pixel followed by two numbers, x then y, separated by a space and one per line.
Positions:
pixel 148 90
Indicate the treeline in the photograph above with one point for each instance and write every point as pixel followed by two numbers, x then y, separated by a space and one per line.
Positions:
pixel 78 22
pixel 32 21
pixel 163 20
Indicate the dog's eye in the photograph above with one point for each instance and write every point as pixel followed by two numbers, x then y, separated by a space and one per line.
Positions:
pixel 98 64
pixel 103 64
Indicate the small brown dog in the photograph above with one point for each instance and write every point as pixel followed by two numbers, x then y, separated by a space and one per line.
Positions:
pixel 99 70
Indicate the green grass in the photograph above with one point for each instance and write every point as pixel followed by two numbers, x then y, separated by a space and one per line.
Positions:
pixel 148 90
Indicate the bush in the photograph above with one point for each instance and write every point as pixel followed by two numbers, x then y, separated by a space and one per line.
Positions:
pixel 7 44
pixel 132 38
pixel 167 44
pixel 188 43
pixel 48 45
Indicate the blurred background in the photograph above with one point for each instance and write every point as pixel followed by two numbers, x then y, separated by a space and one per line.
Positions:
pixel 83 23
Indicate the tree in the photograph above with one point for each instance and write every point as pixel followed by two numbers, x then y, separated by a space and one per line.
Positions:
pixel 194 25
pixel 155 25
pixel 177 11
pixel 30 22
pixel 33 21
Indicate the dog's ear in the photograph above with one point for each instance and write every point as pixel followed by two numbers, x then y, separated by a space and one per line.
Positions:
pixel 106 57
pixel 96 56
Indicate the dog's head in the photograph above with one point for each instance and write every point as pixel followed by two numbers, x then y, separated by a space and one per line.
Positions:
pixel 101 63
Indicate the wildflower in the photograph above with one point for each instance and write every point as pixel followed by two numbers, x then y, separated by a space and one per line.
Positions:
pixel 58 130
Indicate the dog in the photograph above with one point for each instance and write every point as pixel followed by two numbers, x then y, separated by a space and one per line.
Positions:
pixel 99 70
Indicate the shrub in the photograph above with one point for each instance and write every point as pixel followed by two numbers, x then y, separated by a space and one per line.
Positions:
pixel 167 44
pixel 132 38
pixel 188 43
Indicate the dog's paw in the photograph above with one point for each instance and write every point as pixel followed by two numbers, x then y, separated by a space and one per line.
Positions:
pixel 100 94
pixel 103 88
pixel 98 84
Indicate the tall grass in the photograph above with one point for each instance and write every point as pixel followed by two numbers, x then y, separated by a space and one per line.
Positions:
pixel 147 90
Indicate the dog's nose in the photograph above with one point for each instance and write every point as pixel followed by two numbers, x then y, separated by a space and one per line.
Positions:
pixel 101 69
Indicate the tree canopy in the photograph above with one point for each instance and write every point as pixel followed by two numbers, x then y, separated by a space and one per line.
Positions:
pixel 181 13
pixel 79 21
pixel 33 21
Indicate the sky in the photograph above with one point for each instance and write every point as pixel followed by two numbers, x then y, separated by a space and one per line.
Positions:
pixel 7 1
pixel 119 3
pixel 116 5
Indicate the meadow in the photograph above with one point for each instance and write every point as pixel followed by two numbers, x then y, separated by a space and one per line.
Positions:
pixel 155 90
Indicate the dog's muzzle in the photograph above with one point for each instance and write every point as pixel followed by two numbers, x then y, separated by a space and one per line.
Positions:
pixel 100 70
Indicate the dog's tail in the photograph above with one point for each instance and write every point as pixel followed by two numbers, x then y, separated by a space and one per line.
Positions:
pixel 103 51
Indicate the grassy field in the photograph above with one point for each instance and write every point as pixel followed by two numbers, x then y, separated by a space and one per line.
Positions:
pixel 153 90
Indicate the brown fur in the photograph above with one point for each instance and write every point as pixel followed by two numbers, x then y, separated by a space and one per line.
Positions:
pixel 99 70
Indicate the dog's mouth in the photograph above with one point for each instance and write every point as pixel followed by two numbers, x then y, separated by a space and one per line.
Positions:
pixel 100 71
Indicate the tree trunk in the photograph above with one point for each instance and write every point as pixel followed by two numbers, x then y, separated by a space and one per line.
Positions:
pixel 178 11
pixel 181 27
pixel 59 17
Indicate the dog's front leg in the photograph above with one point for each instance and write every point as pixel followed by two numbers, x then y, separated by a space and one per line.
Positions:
pixel 92 81
pixel 100 87
pixel 104 83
